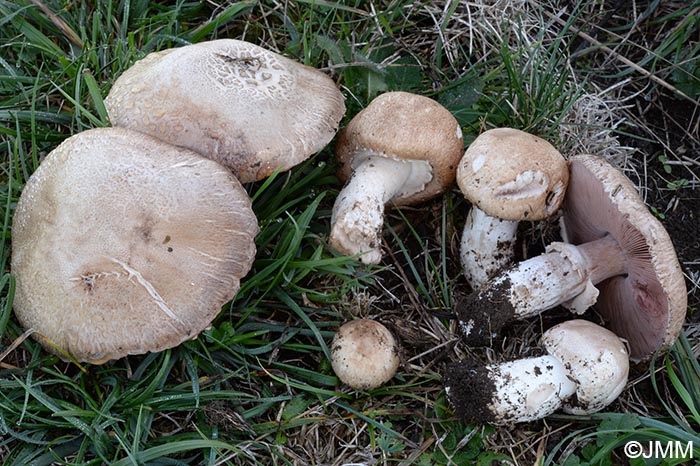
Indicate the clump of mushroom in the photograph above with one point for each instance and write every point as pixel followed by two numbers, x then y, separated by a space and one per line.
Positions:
pixel 364 354
pixel 402 149
pixel 123 244
pixel 509 176
pixel 585 368
pixel 614 243
pixel 237 103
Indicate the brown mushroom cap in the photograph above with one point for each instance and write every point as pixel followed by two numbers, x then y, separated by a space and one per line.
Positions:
pixel 123 244
pixel 404 126
pixel 364 354
pixel 248 108
pixel 647 305
pixel 513 175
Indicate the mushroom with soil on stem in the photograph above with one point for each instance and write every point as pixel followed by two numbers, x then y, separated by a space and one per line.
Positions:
pixel 585 368
pixel 402 149
pixel 123 244
pixel 616 245
pixel 364 354
pixel 246 107
pixel 509 176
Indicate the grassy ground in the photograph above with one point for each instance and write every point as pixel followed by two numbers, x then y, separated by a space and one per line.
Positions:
pixel 616 79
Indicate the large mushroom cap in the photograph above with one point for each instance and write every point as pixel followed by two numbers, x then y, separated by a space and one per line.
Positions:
pixel 647 304
pixel 513 175
pixel 234 102
pixel 123 244
pixel 595 358
pixel 404 126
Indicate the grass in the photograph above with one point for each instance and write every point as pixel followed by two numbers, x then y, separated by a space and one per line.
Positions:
pixel 257 388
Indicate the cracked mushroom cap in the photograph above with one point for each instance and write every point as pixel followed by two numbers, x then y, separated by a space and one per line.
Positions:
pixel 122 244
pixel 513 175
pixel 248 108
pixel 647 305
pixel 408 127
pixel 364 354
pixel 596 360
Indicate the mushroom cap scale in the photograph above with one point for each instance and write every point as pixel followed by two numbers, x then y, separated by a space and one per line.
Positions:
pixel 250 109
pixel 513 175
pixel 123 244
pixel 404 126
pixel 647 305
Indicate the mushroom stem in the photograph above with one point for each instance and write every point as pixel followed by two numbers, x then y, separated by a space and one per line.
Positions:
pixel 514 391
pixel 358 213
pixel 488 245
pixel 565 275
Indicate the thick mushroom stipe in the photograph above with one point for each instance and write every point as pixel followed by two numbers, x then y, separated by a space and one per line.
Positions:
pixel 123 244
pixel 402 149
pixel 585 370
pixel 358 213
pixel 246 107
pixel 487 246
pixel 514 391
pixel 364 354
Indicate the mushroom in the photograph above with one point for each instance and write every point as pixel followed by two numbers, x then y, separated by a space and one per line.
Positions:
pixel 123 244
pixel 248 108
pixel 616 244
pixel 364 354
pixel 585 368
pixel 508 175
pixel 403 148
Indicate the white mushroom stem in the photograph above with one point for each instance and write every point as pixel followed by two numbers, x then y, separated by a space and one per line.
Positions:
pixel 530 389
pixel 358 213
pixel 487 246
pixel 514 391
pixel 565 275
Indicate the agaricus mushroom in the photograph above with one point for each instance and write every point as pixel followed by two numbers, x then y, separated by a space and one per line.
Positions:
pixel 585 369
pixel 123 244
pixel 248 108
pixel 508 175
pixel 615 244
pixel 404 149
pixel 364 354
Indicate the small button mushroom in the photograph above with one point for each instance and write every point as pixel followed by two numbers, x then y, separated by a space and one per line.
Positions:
pixel 123 244
pixel 246 107
pixel 585 369
pixel 404 149
pixel 508 175
pixel 364 354
pixel 615 244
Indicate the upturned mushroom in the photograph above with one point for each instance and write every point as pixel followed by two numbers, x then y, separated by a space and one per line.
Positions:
pixel 123 244
pixel 402 149
pixel 509 176
pixel 585 369
pixel 246 107
pixel 364 354
pixel 614 243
